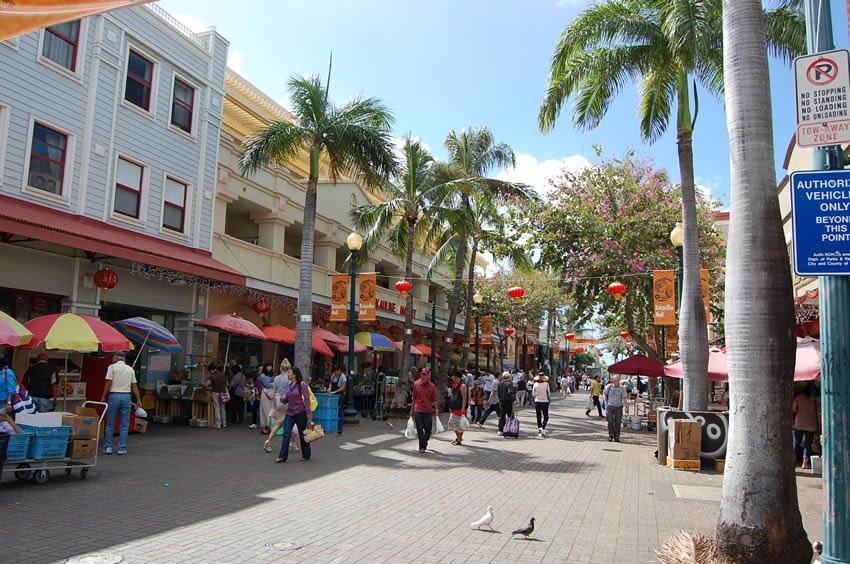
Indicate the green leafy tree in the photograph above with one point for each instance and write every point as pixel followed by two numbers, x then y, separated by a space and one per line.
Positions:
pixel 665 46
pixel 352 139
pixel 401 220
pixel 611 222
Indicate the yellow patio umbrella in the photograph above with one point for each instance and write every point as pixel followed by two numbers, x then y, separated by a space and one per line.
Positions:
pixel 13 333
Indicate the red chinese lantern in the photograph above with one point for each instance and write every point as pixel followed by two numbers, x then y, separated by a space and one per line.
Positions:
pixel 516 293
pixel 625 334
pixel 617 289
pixel 600 355
pixel 105 279
pixel 570 336
pixel 579 350
pixel 262 306
pixel 403 287
pixel 510 331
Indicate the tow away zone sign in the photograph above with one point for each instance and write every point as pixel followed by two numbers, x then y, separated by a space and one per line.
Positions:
pixel 822 86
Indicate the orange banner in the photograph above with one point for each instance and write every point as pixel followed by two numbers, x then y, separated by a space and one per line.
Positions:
pixel 368 297
pixel 486 330
pixel 339 297
pixel 18 17
pixel 530 348
pixel 664 297
pixel 671 340
pixel 650 338
pixel 472 329
pixel 704 283
pixel 557 348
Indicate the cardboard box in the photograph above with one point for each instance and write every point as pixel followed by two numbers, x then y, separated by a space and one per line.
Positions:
pixel 683 464
pixel 52 419
pixel 84 421
pixel 719 464
pixel 83 449
pixel 684 440
pixel 141 426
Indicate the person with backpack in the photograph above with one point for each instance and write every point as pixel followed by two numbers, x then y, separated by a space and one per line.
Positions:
pixel 298 414
pixel 505 393
pixel 492 404
pixel 42 382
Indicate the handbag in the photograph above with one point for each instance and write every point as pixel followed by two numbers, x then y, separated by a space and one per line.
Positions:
pixel 511 427
pixel 21 400
pixel 224 397
pixel 464 423
pixel 314 432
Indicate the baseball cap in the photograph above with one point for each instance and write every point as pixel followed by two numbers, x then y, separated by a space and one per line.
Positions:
pixel 425 370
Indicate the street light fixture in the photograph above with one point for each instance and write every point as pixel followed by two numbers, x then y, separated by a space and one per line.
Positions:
pixel 677 237
pixel 354 242
pixel 477 299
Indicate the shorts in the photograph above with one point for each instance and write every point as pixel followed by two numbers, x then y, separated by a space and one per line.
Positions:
pixel 454 423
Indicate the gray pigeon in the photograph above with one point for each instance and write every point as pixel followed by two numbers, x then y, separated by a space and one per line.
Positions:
pixel 525 531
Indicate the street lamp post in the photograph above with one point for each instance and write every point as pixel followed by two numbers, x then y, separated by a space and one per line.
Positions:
pixel 354 242
pixel 677 237
pixel 477 299
pixel 434 337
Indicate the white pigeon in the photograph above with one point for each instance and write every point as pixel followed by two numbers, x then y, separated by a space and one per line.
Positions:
pixel 484 521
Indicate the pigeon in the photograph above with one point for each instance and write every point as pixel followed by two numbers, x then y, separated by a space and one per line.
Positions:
pixel 484 521
pixel 525 531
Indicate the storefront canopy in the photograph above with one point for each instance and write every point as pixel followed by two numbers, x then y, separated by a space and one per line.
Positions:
pixel 718 369
pixel 807 365
pixel 33 221
pixel 637 365
pixel 24 16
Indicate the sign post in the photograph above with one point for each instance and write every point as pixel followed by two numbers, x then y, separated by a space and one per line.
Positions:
pixel 822 87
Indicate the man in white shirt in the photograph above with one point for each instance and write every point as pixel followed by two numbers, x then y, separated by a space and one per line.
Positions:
pixel 489 379
pixel 120 384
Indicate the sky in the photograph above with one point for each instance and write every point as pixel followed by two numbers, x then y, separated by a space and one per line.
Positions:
pixel 448 64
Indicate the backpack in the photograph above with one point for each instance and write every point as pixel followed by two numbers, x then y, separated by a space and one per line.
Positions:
pixel 504 391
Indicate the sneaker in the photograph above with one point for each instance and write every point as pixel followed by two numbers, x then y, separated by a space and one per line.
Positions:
pixel 540 434
pixel 267 446
pixel 122 451
pixel 480 426
pixel 501 434
pixel 545 434
pixel 107 450
pixel 252 426
pixel 294 447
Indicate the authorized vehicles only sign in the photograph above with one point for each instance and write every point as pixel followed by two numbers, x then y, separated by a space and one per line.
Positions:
pixel 822 85
pixel 820 206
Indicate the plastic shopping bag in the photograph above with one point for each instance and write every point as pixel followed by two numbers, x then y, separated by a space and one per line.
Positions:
pixel 439 427
pixel 410 431
pixel 589 405
pixel 464 423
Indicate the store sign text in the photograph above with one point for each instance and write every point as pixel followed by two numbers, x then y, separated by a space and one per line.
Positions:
pixel 389 306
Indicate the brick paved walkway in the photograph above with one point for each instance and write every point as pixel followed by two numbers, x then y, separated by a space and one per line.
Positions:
pixel 368 496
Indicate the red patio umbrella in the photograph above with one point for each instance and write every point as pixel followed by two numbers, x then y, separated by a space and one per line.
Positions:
pixel 282 334
pixel 807 366
pixel 637 365
pixel 426 350
pixel 414 349
pixel 231 324
pixel 718 369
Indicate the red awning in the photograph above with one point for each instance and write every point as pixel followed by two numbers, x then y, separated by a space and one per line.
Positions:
pixel 637 364
pixel 426 350
pixel 30 220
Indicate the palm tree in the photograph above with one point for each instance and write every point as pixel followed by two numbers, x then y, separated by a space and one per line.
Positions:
pixel 759 515
pixel 473 153
pixel 352 140
pixel 401 220
pixel 663 45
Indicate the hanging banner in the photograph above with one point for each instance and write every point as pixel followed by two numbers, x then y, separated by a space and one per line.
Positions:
pixel 472 329
pixel 368 297
pixel 671 340
pixel 664 296
pixel 23 16
pixel 339 297
pixel 704 283
pixel 486 330
pixel 556 349
pixel 530 348
pixel 650 338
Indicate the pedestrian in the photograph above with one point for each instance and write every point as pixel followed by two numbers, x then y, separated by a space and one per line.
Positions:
pixel 492 406
pixel 489 382
pixel 565 386
pixel 458 398
pixel 423 403
pixel 267 397
pixel 218 385
pixel 595 393
pixel 338 386
pixel 616 399
pixel 236 406
pixel 42 382
pixel 805 424
pixel 724 396
pixel 505 394
pixel 120 384
pixel 298 414
pixel 476 401
pixel 540 393
pixel 10 384
pixel 521 388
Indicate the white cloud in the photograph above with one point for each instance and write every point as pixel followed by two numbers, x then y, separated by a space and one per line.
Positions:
pixel 529 170
pixel 235 60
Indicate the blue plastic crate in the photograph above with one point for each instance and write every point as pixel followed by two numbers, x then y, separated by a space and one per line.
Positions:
pixel 61 431
pixel 328 425
pixel 19 444
pixel 48 442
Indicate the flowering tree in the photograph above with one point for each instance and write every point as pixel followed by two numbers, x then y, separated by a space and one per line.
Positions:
pixel 612 222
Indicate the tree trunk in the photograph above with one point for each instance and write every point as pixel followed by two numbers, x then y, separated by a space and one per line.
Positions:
pixel 304 320
pixel 460 261
pixel 467 321
pixel 400 397
pixel 759 515
pixel 693 332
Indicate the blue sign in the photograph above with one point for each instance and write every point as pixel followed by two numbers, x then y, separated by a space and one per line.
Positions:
pixel 820 209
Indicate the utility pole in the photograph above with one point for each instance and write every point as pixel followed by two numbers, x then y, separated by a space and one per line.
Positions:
pixel 835 345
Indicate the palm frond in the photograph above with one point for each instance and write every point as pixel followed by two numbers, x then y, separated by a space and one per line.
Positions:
pixel 278 142
pixel 309 101
pixel 658 89
pixel 686 23
pixel 785 30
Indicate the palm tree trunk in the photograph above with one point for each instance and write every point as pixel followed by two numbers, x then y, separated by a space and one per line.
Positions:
pixel 692 323
pixel 759 514
pixel 304 320
pixel 467 323
pixel 454 303
pixel 401 390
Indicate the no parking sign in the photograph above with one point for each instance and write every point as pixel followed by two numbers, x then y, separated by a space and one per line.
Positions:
pixel 822 85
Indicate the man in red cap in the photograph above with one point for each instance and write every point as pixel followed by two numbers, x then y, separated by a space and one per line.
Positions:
pixel 424 401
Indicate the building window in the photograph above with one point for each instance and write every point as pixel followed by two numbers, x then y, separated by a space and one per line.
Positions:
pixel 174 211
pixel 47 159
pixel 60 44
pixel 128 188
pixel 139 81
pixel 182 105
